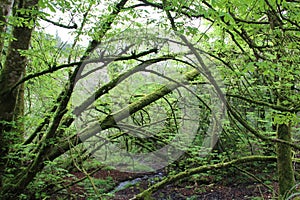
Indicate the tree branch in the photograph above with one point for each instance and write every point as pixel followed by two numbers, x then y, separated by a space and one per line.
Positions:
pixel 136 6
pixel 263 103
pixel 111 120
pixel 56 68
pixel 197 170
pixel 105 88
pixel 257 133
pixel 74 26
pixel 47 71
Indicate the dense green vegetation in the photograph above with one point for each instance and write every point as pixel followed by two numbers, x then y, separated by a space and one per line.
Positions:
pixel 190 87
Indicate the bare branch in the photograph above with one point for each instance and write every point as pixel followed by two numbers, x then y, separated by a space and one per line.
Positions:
pixel 74 64
pixel 136 6
pixel 47 71
pixel 263 103
pixel 74 26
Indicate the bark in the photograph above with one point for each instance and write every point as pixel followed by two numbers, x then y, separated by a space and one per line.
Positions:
pixel 284 161
pixel 5 10
pixel 13 70
pixel 19 113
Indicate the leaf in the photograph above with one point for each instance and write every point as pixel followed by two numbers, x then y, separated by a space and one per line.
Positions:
pixel 250 67
pixel 228 18
pixel 51 7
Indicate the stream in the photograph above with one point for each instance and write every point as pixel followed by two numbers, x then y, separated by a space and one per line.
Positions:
pixel 125 184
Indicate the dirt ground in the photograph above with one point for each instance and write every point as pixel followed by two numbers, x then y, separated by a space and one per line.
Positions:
pixel 206 188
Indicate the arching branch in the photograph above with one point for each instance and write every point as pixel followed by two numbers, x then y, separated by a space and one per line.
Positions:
pixel 197 170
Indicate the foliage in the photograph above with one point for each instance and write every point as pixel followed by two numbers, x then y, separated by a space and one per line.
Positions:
pixel 220 78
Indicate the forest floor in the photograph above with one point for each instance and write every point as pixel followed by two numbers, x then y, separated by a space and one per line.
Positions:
pixel 206 187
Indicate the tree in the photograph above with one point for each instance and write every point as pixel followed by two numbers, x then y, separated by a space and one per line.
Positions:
pixel 252 46
pixel 265 70
pixel 13 70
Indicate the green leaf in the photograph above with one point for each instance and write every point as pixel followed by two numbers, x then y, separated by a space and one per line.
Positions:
pixel 51 7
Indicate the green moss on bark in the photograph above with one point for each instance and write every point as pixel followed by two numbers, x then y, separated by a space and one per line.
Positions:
pixel 189 172
pixel 284 160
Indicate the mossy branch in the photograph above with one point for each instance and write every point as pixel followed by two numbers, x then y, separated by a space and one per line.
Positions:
pixel 263 103
pixel 111 120
pixel 200 169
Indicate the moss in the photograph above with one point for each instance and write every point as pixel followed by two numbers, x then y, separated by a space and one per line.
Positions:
pixel 200 169
pixel 284 160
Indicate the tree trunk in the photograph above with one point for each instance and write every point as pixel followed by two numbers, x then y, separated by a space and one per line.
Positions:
pixel 5 10
pixel 10 99
pixel 284 160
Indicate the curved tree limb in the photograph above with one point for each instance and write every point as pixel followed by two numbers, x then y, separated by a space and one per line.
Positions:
pixel 263 103
pixel 76 64
pixel 111 120
pixel 197 170
pixel 74 26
